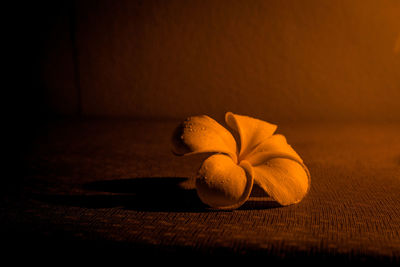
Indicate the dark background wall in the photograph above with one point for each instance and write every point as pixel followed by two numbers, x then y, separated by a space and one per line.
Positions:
pixel 278 60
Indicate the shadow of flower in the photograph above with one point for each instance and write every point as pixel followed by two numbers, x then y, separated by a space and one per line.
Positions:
pixel 141 193
pixel 155 194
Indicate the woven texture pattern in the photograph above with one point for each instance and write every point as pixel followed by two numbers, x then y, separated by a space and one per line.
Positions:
pixel 115 184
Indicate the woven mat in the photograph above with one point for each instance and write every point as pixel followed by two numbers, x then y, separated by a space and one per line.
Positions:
pixel 115 185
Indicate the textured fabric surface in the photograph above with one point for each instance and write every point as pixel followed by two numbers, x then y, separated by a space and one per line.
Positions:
pixel 115 185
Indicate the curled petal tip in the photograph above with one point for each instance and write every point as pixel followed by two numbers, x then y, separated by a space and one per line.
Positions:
pixel 222 184
pixel 284 179
pixel 202 134
pixel 179 147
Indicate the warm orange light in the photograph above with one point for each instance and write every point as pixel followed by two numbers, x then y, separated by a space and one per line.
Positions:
pixel 397 45
pixel 225 179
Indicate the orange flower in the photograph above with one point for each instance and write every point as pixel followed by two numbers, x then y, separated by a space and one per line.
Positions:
pixel 226 178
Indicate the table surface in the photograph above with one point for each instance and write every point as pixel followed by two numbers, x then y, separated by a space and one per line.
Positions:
pixel 114 184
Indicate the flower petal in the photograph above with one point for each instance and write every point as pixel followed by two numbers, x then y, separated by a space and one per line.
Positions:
pixel 252 131
pixel 284 179
pixel 279 170
pixel 200 134
pixel 222 184
pixel 272 147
